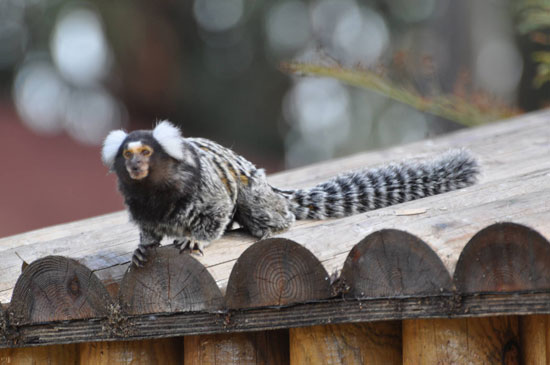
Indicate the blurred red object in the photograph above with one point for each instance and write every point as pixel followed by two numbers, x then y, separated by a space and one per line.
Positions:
pixel 46 180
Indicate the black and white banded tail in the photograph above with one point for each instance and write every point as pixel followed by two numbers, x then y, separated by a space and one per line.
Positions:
pixel 360 191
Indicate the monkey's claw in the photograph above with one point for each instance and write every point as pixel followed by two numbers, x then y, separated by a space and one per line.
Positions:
pixel 139 258
pixel 191 245
pixel 199 248
pixel 183 244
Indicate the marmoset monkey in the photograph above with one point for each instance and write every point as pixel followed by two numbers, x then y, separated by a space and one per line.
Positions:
pixel 191 189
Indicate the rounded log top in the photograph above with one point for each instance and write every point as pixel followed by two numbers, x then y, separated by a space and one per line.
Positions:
pixel 57 288
pixel 504 257
pixel 276 271
pixel 390 263
pixel 169 282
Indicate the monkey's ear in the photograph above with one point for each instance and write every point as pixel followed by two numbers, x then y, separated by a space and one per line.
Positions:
pixel 111 145
pixel 170 138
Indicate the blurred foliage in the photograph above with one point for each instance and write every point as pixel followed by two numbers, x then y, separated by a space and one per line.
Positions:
pixel 463 107
pixel 543 69
pixel 533 19
pixel 533 15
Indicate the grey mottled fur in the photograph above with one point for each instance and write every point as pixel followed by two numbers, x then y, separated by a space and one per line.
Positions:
pixel 196 198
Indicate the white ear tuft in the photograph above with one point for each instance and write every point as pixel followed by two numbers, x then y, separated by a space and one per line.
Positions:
pixel 111 145
pixel 170 138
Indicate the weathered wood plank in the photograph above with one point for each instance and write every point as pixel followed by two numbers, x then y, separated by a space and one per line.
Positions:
pixel 276 272
pixel 267 318
pixel 514 156
pixel 376 343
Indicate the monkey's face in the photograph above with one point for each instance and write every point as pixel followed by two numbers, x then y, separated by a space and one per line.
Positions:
pixel 137 156
pixel 145 157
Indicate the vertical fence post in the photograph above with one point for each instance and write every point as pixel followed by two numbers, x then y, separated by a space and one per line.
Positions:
pixel 358 343
pixel 55 354
pixel 534 332
pixel 267 347
pixel 160 351
pixel 481 340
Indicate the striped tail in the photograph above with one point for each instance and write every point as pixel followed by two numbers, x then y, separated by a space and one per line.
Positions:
pixel 360 191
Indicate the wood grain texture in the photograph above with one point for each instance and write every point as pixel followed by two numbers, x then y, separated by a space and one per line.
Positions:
pixel 534 333
pixel 504 257
pixel 56 354
pixel 359 343
pixel 56 288
pixel 393 263
pixel 484 340
pixel 169 282
pixel 164 351
pixel 253 348
pixel 276 272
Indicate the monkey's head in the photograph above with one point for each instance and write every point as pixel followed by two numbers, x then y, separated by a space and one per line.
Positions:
pixel 141 154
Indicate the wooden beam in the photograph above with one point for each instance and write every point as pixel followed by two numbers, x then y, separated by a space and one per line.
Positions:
pixel 334 311
pixel 377 343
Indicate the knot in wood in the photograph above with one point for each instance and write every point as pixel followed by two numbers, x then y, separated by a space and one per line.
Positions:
pixel 73 286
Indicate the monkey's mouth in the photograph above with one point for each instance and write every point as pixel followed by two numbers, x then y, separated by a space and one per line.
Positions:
pixel 138 174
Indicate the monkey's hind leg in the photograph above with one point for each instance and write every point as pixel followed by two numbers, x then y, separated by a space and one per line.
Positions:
pixel 207 225
pixel 262 211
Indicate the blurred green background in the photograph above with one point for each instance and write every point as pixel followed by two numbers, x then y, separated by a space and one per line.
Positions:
pixel 70 71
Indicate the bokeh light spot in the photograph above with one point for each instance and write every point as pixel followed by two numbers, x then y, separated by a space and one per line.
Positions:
pixel 40 95
pixel 287 26
pixel 499 66
pixel 218 15
pixel 91 114
pixel 79 48
pixel 361 37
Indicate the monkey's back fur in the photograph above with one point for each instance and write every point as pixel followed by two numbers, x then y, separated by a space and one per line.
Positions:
pixel 194 188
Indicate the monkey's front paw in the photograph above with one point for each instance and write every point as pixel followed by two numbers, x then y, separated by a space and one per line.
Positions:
pixel 139 258
pixel 191 245
pixel 183 244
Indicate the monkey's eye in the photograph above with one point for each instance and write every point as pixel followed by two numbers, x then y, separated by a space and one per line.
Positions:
pixel 145 152
pixel 127 154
